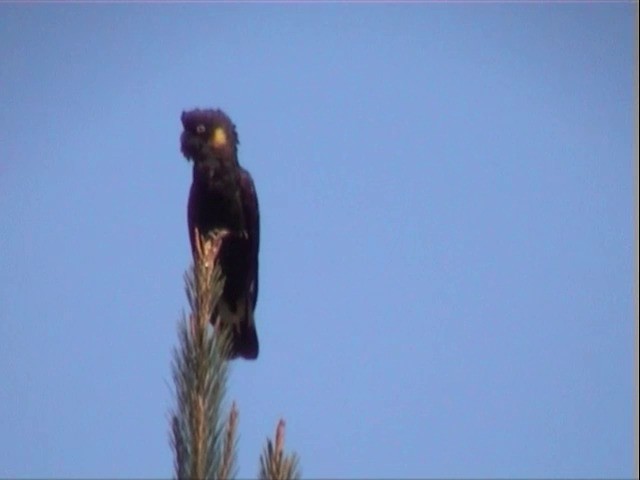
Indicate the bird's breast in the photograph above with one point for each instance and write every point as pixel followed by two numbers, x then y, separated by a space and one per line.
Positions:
pixel 216 196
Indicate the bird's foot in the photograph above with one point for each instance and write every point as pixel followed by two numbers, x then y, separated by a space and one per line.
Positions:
pixel 208 245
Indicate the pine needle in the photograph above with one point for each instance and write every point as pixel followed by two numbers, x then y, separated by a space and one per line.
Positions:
pixel 274 464
pixel 227 465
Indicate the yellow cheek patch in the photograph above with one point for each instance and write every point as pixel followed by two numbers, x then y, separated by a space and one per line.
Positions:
pixel 219 137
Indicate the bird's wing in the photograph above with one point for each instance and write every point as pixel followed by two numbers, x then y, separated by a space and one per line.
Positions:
pixel 191 217
pixel 252 220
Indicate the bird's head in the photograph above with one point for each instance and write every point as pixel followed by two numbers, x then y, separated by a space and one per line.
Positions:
pixel 208 134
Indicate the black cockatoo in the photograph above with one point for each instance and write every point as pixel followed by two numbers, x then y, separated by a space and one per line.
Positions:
pixel 223 197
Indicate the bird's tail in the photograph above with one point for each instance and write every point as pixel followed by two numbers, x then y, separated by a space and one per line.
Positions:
pixel 244 340
pixel 242 330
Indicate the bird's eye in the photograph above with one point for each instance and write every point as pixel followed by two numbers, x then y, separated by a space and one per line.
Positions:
pixel 200 129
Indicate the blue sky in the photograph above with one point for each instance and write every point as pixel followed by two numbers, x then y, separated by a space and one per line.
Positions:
pixel 446 195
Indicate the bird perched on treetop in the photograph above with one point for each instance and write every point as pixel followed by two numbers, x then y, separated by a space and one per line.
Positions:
pixel 223 197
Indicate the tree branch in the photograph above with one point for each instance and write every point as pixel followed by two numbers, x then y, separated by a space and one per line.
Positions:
pixel 200 373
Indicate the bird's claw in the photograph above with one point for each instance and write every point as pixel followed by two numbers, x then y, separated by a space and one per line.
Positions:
pixel 208 245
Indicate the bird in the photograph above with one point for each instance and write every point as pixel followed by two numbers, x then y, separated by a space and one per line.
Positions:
pixel 223 197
